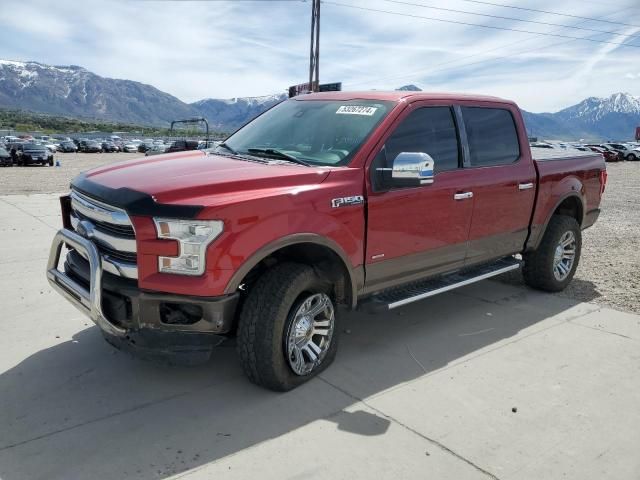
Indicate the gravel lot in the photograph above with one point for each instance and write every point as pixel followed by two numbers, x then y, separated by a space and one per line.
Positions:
pixel 44 179
pixel 609 270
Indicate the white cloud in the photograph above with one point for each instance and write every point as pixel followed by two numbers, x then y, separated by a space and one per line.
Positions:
pixel 223 49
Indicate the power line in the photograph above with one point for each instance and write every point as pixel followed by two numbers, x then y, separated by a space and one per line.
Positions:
pixel 430 69
pixel 492 27
pixel 503 18
pixel 546 11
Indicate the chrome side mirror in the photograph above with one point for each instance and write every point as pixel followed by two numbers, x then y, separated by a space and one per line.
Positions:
pixel 413 168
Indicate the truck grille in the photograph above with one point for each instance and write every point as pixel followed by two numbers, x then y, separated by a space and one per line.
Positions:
pixel 125 231
pixel 110 229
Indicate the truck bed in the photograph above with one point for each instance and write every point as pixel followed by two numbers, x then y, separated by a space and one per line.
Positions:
pixel 548 154
pixel 562 171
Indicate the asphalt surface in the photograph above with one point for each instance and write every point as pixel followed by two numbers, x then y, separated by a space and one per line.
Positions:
pixel 490 381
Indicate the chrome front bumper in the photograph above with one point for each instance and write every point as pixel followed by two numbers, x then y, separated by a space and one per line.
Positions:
pixel 89 301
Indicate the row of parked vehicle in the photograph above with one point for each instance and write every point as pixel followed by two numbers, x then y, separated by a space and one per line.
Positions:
pixel 114 143
pixel 612 152
pixel 25 153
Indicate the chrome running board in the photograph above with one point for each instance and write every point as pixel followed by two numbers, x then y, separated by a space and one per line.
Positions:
pixel 416 291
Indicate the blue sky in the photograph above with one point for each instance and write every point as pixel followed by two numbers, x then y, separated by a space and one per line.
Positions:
pixel 222 49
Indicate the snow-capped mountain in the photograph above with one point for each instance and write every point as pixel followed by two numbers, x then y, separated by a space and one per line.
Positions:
pixel 593 108
pixel 74 91
pixel 613 117
pixel 229 114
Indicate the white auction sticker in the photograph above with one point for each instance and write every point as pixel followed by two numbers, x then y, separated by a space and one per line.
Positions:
pixel 356 110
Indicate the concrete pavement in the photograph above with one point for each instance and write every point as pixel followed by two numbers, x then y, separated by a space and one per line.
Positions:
pixel 428 391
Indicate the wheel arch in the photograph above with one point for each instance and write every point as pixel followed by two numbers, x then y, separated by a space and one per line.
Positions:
pixel 322 253
pixel 571 205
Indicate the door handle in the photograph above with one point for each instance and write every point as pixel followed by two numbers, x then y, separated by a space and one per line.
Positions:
pixel 463 195
pixel 525 186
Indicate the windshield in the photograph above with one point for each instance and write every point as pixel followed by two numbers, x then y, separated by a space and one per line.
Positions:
pixel 318 132
pixel 34 146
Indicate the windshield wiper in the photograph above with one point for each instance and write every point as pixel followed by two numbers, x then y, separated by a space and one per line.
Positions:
pixel 227 147
pixel 278 154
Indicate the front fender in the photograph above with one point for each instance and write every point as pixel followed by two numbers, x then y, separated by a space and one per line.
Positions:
pixel 355 275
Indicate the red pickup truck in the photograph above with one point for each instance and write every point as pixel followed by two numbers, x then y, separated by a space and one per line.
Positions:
pixel 370 200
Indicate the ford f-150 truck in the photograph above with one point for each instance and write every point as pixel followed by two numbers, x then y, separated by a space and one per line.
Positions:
pixel 370 200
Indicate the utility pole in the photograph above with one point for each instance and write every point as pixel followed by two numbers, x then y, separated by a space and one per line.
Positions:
pixel 314 54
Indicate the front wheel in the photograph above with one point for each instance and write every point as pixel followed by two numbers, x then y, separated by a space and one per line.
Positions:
pixel 552 266
pixel 287 330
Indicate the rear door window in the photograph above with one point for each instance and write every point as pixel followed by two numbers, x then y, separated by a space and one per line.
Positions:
pixel 492 136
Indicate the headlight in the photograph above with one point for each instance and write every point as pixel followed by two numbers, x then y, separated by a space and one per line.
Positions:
pixel 193 237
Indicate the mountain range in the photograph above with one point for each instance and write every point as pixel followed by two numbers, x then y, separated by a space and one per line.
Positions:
pixel 73 91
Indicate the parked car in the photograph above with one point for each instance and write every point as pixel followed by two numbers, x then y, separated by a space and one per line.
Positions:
pixel 5 158
pixel 109 147
pixel 34 153
pixel 627 152
pixel 541 145
pixel 617 153
pixel 389 201
pixel 156 150
pixel 144 146
pixel 15 151
pixel 90 146
pixel 609 155
pixel 182 146
pixel 52 147
pixel 204 145
pixel 130 147
pixel 68 146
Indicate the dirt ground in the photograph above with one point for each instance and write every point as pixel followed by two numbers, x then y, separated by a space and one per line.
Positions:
pixel 45 179
pixel 609 271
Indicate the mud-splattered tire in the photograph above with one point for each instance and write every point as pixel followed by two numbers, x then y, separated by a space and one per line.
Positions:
pixel 548 268
pixel 270 318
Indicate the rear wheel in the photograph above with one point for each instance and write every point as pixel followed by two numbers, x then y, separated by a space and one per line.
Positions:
pixel 287 329
pixel 552 266
pixel 632 157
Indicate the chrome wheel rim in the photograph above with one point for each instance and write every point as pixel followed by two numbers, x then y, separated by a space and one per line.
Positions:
pixel 309 335
pixel 564 256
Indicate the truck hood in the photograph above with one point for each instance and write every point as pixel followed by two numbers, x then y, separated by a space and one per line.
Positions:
pixel 179 178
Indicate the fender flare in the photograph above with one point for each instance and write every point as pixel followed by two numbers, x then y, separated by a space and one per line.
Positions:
pixel 541 231
pixel 355 275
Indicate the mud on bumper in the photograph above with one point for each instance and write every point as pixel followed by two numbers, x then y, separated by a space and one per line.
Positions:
pixel 177 328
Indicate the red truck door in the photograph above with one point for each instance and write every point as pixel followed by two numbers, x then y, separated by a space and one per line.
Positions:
pixel 415 230
pixel 503 181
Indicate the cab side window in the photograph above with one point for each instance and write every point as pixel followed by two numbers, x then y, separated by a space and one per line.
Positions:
pixel 492 136
pixel 430 130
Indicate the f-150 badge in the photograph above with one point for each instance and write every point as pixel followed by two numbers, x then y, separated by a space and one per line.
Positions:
pixel 347 201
